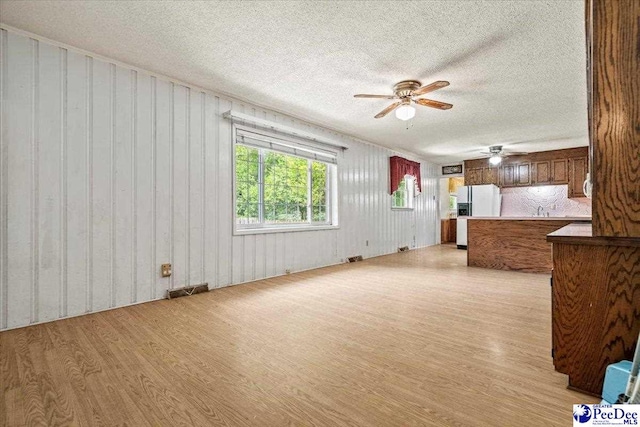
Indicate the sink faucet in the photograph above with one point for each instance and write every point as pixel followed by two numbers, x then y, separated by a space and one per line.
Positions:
pixel 540 209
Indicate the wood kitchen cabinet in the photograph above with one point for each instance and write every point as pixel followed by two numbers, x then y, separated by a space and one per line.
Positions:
pixel 481 176
pixel 595 295
pixel 549 172
pixel 541 172
pixel 555 167
pixel 508 176
pixel 523 174
pixel 473 176
pixel 560 171
pixel 515 175
pixel 491 176
pixel 577 175
pixel 448 229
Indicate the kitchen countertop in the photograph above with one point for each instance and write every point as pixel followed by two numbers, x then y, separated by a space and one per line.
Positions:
pixel 581 234
pixel 529 218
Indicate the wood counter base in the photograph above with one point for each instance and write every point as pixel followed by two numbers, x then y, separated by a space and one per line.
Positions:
pixel 595 304
pixel 512 244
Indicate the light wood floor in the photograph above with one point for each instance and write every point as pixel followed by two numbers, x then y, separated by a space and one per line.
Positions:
pixel 415 338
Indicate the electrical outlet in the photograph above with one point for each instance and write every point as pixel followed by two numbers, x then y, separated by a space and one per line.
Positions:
pixel 287 271
pixel 165 270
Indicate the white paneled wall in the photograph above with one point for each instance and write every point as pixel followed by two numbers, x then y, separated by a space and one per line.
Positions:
pixel 107 171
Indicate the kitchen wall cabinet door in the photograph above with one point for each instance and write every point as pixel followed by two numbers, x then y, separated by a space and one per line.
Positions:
pixel 560 171
pixel 508 176
pixel 577 175
pixel 523 174
pixel 541 173
pixel 549 172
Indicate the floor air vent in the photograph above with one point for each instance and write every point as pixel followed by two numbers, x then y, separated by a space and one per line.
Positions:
pixel 403 249
pixel 187 290
pixel 355 258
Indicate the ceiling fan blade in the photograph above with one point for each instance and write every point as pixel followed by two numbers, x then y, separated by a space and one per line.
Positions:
pixel 364 95
pixel 430 88
pixel 387 110
pixel 515 153
pixel 433 104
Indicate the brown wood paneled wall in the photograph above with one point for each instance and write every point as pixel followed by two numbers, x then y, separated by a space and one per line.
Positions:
pixel 613 34
pixel 595 310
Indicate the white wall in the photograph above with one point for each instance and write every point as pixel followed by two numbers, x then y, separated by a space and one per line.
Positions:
pixel 107 171
pixel 444 198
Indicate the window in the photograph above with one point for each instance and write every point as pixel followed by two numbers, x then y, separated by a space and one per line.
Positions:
pixel 282 184
pixel 402 198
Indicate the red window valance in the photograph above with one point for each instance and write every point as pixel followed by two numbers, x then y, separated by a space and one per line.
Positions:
pixel 401 167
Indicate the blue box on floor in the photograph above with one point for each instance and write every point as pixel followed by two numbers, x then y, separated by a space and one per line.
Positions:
pixel 615 380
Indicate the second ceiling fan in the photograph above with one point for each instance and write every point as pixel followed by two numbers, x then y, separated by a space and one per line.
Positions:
pixel 406 92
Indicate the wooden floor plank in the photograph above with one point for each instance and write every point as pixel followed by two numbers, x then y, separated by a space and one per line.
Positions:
pixel 416 338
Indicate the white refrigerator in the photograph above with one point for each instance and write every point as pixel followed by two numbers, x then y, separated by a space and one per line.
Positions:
pixel 475 200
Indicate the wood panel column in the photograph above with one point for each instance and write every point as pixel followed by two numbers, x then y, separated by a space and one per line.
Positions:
pixel 613 43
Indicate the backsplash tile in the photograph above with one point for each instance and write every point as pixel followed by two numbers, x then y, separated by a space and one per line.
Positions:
pixel 524 201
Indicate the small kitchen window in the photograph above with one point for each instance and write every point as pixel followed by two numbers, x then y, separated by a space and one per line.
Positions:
pixel 404 196
pixel 404 179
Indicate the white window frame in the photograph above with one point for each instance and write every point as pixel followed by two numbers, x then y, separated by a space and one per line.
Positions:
pixel 331 189
pixel 409 197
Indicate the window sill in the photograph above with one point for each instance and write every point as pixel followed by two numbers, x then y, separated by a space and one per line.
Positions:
pixel 402 209
pixel 292 229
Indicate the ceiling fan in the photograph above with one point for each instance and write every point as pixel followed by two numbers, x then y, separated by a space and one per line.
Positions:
pixel 406 92
pixel 497 153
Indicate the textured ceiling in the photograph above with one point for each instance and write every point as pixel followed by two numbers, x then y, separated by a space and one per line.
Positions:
pixel 517 68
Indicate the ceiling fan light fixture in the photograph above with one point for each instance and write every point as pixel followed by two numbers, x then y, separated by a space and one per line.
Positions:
pixel 495 159
pixel 405 112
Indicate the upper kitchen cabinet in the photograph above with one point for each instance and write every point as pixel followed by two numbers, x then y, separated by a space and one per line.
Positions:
pixel 577 174
pixel 554 167
pixel 541 172
pixel 523 174
pixel 555 171
pixel 515 174
pixel 490 176
pixel 508 176
pixel 560 171
pixel 475 174
pixel 472 176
